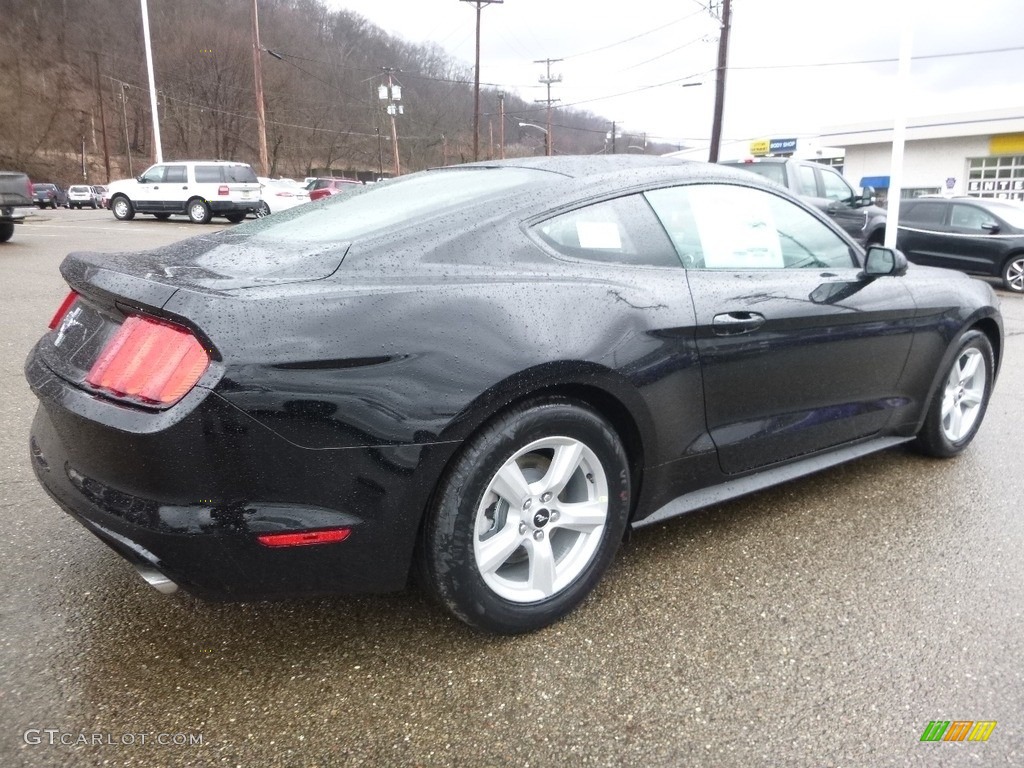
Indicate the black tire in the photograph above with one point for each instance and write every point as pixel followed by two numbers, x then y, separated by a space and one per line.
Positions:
pixel 6 231
pixel 122 208
pixel 959 403
pixel 161 216
pixel 1013 273
pixel 234 218
pixel 53 204
pixel 198 211
pixel 543 560
pixel 93 205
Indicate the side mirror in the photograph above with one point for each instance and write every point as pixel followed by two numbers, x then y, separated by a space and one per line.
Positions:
pixel 991 227
pixel 882 262
pixel 867 196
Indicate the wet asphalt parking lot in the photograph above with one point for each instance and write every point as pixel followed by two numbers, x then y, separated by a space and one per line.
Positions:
pixel 822 623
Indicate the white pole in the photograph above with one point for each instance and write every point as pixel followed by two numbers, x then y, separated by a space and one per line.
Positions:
pixel 152 83
pixel 899 127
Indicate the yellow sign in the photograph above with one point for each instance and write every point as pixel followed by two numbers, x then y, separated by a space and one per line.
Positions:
pixel 760 147
pixel 1006 144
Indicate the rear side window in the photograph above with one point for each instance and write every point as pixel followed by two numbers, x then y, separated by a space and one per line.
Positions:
pixel 621 231
pixel 806 182
pixel 176 174
pixel 970 217
pixel 208 174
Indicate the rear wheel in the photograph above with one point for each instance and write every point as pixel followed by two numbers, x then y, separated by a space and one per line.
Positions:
pixel 122 208
pixel 959 405
pixel 263 210
pixel 6 231
pixel 528 518
pixel 198 212
pixel 1013 273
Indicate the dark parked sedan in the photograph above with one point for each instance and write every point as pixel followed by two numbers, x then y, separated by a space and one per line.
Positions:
pixel 980 236
pixel 486 373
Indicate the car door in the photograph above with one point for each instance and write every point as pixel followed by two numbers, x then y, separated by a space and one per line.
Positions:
pixel 174 191
pixel 923 233
pixel 798 351
pixel 841 203
pixel 146 195
pixel 977 245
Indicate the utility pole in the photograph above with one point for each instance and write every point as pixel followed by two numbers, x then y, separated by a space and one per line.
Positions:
pixel 548 79
pixel 392 93
pixel 103 119
pixel 723 55
pixel 476 78
pixel 501 123
pixel 613 137
pixel 127 141
pixel 380 154
pixel 257 69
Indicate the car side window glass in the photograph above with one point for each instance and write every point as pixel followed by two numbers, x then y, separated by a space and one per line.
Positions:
pixel 969 217
pixel 924 213
pixel 176 174
pixel 835 187
pixel 806 181
pixel 718 226
pixel 621 231
pixel 154 175
pixel 209 174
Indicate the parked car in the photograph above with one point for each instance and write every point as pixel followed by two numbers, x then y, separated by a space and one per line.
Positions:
pixel 321 188
pixel 486 373
pixel 48 195
pixel 99 194
pixel 81 195
pixel 15 192
pixel 200 189
pixel 827 190
pixel 280 195
pixel 980 236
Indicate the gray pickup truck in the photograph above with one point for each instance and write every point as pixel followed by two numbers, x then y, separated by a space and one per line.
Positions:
pixel 827 190
pixel 15 193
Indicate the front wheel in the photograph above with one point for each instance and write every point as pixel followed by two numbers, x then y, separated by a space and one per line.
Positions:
pixel 122 208
pixel 1013 273
pixel 959 405
pixel 528 518
pixel 199 212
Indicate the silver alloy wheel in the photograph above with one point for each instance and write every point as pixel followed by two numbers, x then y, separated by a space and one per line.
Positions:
pixel 1014 274
pixel 964 395
pixel 541 519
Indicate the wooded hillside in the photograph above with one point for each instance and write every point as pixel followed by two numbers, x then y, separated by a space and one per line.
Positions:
pixel 64 63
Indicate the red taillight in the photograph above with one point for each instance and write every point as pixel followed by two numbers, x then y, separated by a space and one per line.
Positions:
pixel 149 361
pixel 329 536
pixel 223 189
pixel 63 309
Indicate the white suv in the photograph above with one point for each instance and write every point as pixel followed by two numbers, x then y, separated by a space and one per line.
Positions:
pixel 201 189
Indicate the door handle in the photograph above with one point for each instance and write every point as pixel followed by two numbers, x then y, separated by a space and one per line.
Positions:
pixel 731 323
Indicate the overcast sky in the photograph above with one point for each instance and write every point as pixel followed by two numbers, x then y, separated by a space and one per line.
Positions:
pixel 645 51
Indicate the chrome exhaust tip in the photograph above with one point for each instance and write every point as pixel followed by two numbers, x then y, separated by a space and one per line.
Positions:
pixel 157 580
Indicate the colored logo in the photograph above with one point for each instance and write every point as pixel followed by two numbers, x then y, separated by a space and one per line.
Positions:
pixel 958 730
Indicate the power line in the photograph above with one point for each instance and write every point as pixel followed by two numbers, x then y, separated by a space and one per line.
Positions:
pixel 881 61
pixel 634 37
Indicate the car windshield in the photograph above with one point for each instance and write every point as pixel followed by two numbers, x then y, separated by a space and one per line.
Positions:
pixel 1010 212
pixel 378 208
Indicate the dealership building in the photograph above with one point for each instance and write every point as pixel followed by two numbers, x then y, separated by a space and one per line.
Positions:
pixel 979 154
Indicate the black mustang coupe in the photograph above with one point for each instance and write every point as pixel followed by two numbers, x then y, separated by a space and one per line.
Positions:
pixel 486 374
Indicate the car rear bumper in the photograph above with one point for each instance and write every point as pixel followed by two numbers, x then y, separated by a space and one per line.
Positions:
pixel 187 495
